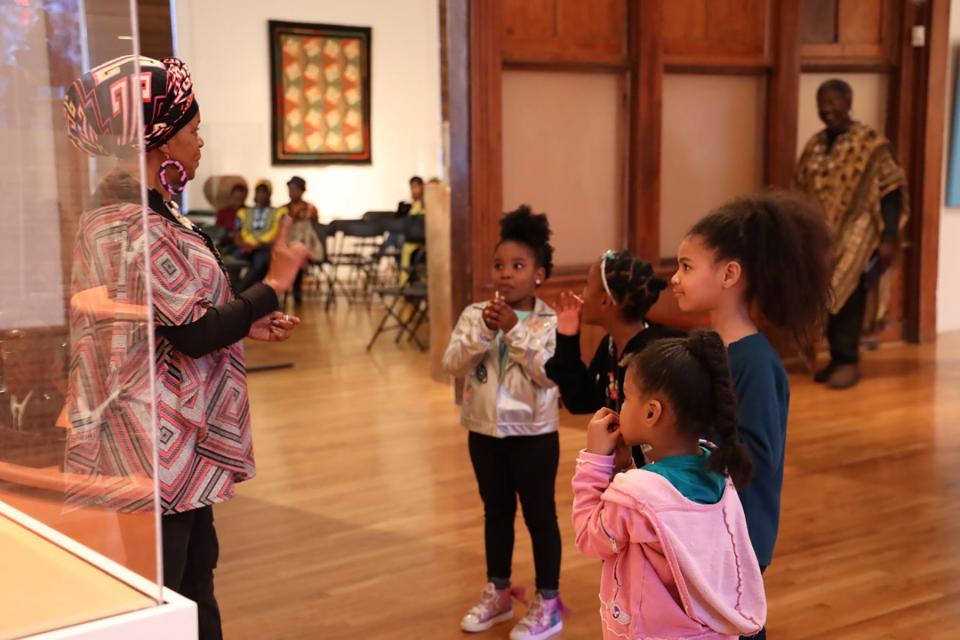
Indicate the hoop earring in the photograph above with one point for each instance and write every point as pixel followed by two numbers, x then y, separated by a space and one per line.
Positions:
pixel 181 170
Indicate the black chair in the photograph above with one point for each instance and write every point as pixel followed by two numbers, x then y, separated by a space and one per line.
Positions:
pixel 202 217
pixel 414 232
pixel 384 220
pixel 217 233
pixel 354 246
pixel 390 248
pixel 408 306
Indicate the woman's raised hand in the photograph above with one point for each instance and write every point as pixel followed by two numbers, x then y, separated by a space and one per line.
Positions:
pixel 286 260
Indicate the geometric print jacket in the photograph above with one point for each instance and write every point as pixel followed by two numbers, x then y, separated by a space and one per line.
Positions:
pixel 202 437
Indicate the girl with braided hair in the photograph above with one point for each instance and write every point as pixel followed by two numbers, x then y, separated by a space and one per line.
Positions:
pixel 677 558
pixel 620 291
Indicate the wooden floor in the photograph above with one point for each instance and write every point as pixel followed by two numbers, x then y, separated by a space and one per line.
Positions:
pixel 364 520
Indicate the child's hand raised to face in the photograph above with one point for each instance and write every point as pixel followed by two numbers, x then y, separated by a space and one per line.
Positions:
pixel 623 456
pixel 498 316
pixel 569 308
pixel 603 432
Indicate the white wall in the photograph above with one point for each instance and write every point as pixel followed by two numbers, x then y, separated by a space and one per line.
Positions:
pixel 948 280
pixel 225 44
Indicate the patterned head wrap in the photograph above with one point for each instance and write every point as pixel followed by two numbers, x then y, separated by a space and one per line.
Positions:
pixel 100 106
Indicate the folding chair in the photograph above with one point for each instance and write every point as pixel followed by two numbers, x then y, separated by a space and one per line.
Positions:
pixel 357 259
pixel 319 267
pixel 408 308
pixel 392 227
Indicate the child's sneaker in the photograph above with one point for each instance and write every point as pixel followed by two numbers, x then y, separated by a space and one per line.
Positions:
pixel 544 619
pixel 495 606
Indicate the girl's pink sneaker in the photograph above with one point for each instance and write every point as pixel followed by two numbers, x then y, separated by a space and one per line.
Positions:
pixel 495 606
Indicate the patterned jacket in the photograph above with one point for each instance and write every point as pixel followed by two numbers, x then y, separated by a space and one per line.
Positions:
pixel 203 437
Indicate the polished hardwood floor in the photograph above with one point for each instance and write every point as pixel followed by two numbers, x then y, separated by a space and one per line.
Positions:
pixel 364 520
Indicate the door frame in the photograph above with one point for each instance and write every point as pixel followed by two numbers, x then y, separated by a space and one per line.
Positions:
pixel 473 79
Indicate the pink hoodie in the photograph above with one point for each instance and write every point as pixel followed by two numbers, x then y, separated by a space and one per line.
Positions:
pixel 672 568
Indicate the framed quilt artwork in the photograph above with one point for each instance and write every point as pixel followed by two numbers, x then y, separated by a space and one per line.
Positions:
pixel 320 89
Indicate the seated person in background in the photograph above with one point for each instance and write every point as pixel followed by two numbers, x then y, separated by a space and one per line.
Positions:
pixel 257 229
pixel 227 216
pixel 413 208
pixel 304 215
pixel 415 205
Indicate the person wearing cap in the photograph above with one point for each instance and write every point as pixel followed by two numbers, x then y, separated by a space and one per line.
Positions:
pixel 193 415
pixel 257 229
pixel 305 216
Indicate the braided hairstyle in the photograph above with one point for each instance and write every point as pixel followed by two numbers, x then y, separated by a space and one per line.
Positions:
pixel 532 230
pixel 783 245
pixel 694 375
pixel 633 284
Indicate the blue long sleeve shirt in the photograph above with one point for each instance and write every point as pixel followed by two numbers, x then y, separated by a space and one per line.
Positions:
pixel 763 392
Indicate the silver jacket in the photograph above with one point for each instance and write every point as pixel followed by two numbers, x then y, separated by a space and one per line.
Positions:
pixel 520 400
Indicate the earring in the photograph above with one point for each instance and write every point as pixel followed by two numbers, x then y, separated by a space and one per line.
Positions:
pixel 538 282
pixel 181 171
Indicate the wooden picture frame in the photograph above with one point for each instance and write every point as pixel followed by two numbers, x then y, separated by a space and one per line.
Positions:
pixel 320 93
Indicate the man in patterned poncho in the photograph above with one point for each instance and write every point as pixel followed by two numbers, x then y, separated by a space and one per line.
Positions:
pixel 850 170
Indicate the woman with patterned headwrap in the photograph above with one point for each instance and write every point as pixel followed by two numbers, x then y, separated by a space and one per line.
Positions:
pixel 202 432
pixel 851 171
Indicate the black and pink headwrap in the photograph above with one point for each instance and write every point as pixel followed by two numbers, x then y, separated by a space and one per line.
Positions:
pixel 100 106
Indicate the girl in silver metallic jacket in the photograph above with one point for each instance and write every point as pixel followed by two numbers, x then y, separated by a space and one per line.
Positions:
pixel 511 396
pixel 510 408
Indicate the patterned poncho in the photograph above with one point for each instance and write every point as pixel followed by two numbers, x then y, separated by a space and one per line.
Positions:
pixel 202 434
pixel 849 180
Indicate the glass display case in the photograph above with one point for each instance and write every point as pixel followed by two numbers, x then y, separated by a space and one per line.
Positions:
pixel 79 520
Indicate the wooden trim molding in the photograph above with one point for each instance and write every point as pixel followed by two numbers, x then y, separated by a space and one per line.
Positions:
pixel 716 64
pixel 525 55
pixel 646 102
pixel 461 186
pixel 842 65
pixel 586 67
pixel 486 150
pixel 783 94
pixel 928 158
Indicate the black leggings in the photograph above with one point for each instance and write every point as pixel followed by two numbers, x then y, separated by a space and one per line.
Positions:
pixel 190 553
pixel 524 465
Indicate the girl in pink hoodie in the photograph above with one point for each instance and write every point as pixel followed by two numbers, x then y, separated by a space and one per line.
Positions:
pixel 677 558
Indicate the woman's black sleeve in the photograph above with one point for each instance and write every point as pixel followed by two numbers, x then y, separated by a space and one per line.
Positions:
pixel 222 325
pixel 576 382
